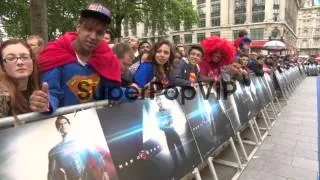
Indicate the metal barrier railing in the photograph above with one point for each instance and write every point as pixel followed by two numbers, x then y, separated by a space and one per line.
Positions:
pixel 34 116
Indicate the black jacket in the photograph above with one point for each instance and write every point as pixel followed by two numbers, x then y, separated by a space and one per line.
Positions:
pixel 180 74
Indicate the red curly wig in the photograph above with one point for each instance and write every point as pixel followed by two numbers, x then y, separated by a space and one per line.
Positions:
pixel 215 44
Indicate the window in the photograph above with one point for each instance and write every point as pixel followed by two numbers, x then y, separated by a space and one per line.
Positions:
pixel 316 42
pixel 176 39
pixel 200 37
pixel 215 13
pixel 305 32
pixel 317 32
pixel 258 10
pixel 257 34
pixel 188 38
pixel 235 34
pixel 240 12
pixel 176 27
pixel 215 33
pixel 304 44
pixel 276 10
pixel 201 1
pixel 202 22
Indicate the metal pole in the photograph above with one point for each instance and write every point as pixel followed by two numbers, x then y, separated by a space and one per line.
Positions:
pixel 278 102
pixel 34 116
pixel 212 169
pixel 234 149
pixel 267 116
pixel 257 127
pixel 196 173
pixel 244 152
pixel 254 133
pixel 265 120
pixel 274 110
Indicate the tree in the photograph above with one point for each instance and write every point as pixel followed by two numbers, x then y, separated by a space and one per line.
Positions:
pixel 159 15
pixel 38 17
pixel 62 15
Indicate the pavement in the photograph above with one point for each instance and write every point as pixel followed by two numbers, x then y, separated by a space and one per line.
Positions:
pixel 290 152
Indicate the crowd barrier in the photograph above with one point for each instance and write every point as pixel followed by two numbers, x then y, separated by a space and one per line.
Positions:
pixel 147 139
pixel 312 69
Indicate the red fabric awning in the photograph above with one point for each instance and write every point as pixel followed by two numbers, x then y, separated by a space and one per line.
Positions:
pixel 258 43
pixel 255 43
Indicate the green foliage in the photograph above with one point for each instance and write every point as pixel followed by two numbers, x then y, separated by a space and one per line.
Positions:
pixel 63 15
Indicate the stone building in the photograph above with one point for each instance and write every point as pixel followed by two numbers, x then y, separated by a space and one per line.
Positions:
pixel 308 29
pixel 263 19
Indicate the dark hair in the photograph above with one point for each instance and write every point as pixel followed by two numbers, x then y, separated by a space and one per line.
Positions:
pixel 242 33
pixel 260 57
pixel 92 21
pixel 18 100
pixel 143 42
pixel 110 33
pixel 121 49
pixel 244 55
pixel 59 118
pixel 196 47
pixel 167 65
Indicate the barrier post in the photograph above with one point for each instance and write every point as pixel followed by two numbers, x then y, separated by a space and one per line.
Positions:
pixel 196 173
pixel 265 120
pixel 244 152
pixel 212 169
pixel 234 149
pixel 254 133
pixel 267 116
pixel 257 127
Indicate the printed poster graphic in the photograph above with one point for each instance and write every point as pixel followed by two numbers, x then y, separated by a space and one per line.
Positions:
pixel 68 147
pixel 208 122
pixel 149 139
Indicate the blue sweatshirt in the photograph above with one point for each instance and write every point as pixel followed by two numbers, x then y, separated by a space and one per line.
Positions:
pixel 75 83
pixel 144 74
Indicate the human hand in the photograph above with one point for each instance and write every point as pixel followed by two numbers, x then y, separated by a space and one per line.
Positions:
pixel 39 100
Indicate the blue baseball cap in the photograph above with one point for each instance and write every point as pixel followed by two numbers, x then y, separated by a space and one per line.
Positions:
pixel 97 10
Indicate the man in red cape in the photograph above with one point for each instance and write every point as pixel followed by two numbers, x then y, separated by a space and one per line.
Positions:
pixel 78 67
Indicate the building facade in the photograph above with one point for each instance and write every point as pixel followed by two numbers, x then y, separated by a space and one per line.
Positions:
pixel 308 29
pixel 263 19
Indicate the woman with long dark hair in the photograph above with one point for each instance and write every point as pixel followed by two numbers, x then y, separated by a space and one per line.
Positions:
pixel 157 67
pixel 18 77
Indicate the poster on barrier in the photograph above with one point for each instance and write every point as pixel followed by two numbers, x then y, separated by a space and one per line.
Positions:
pixel 281 81
pixel 270 84
pixel 244 104
pixel 65 147
pixel 230 108
pixel 208 122
pixel 149 139
pixel 259 90
pixel 264 90
pixel 268 89
pixel 254 95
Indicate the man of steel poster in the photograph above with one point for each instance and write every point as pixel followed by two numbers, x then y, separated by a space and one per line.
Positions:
pixel 61 148
pixel 270 84
pixel 254 94
pixel 208 122
pixel 150 139
pixel 260 91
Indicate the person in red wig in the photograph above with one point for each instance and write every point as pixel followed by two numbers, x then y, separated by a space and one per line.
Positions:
pixel 217 54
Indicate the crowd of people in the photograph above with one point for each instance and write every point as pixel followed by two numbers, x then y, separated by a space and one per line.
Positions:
pixel 85 65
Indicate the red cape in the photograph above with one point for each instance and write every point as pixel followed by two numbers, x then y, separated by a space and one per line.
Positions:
pixel 61 52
